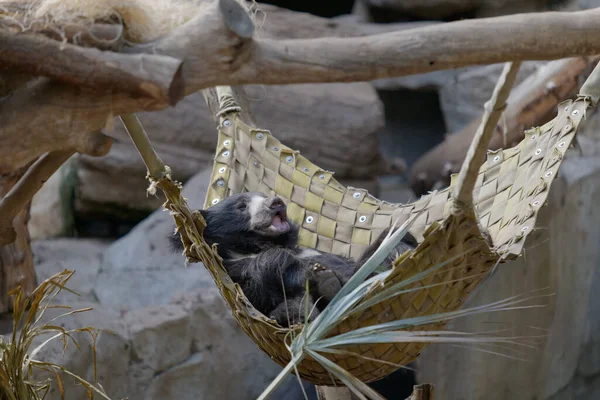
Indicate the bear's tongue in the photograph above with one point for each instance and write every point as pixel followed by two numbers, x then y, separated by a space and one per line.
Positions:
pixel 279 223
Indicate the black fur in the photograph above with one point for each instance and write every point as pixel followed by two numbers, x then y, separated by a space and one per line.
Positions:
pixel 264 260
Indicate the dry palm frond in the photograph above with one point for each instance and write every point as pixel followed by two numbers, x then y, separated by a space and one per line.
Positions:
pixel 17 358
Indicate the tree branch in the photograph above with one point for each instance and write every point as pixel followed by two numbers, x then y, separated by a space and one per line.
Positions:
pixel 539 36
pixel 136 74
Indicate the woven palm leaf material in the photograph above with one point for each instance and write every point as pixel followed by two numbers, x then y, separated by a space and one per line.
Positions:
pixel 511 187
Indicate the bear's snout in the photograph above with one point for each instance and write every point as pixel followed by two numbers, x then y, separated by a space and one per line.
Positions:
pixel 275 204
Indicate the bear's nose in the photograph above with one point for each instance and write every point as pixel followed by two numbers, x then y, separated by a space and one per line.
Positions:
pixel 275 203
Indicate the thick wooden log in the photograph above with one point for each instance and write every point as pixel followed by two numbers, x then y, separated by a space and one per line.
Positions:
pixel 139 75
pixel 539 36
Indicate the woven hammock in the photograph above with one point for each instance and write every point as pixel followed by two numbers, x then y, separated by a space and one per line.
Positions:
pixel 510 188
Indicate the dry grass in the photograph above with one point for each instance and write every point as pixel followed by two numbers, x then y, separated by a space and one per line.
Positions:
pixel 18 363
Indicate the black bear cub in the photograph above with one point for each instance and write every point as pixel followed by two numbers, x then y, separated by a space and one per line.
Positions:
pixel 260 251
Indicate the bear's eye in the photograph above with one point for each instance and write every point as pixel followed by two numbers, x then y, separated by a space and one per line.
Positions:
pixel 242 206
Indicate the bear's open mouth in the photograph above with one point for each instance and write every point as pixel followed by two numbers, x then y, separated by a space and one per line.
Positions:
pixel 280 223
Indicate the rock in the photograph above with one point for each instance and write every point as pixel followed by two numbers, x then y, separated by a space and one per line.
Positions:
pixel 228 355
pixel 112 352
pixel 333 124
pixel 462 99
pixel 395 190
pixel 140 269
pixel 83 256
pixel 563 257
pixel 140 377
pixel 587 4
pixel 414 124
pixel 196 379
pixel 51 212
pixel 184 381
pixel 290 389
pixel 161 337
pixel 189 349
